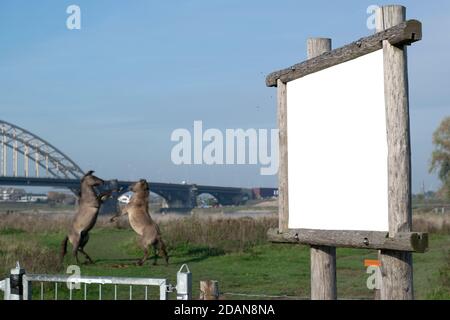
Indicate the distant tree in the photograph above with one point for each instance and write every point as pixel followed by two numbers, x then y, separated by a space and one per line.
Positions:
pixel 440 158
pixel 59 197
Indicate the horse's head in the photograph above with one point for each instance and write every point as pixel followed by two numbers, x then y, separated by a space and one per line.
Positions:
pixel 90 180
pixel 141 185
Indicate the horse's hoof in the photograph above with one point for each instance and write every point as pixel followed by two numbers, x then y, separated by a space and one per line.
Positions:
pixel 139 263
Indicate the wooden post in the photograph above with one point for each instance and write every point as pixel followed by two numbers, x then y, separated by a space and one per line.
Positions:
pixel 396 266
pixel 209 290
pixel 283 202
pixel 323 258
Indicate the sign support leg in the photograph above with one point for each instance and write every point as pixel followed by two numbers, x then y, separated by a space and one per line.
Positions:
pixel 323 258
pixel 396 266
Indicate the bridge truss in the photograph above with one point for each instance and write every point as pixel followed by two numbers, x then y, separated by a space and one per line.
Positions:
pixel 37 157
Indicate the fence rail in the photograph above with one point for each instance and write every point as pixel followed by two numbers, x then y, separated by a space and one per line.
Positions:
pixel 101 281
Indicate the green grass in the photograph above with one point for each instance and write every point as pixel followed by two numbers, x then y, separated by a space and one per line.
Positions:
pixel 269 269
pixel 7 231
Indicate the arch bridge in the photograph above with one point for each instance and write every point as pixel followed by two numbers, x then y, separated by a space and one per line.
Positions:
pixel 28 160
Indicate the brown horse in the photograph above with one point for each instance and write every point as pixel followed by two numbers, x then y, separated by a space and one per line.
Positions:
pixel 85 218
pixel 142 223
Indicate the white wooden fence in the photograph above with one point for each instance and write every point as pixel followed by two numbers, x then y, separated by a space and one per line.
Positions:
pixel 19 285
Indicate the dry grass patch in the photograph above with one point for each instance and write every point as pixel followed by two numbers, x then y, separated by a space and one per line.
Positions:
pixel 34 257
pixel 227 234
pixel 432 223
pixel 39 223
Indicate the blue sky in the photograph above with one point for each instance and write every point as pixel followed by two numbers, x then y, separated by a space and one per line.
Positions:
pixel 109 95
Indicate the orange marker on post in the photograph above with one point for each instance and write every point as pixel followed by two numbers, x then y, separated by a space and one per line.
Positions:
pixel 375 263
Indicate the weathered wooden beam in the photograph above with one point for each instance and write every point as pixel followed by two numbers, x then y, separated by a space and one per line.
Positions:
pixel 403 241
pixel 396 266
pixel 402 34
pixel 283 192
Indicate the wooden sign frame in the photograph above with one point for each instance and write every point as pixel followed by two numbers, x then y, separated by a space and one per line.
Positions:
pixel 394 33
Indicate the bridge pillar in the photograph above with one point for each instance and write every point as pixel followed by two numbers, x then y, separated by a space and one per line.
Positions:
pixel 180 200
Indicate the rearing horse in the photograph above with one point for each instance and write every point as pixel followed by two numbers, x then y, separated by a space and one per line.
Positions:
pixel 85 218
pixel 142 223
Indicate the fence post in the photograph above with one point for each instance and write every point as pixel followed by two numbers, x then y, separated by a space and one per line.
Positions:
pixel 323 258
pixel 396 266
pixel 209 290
pixel 14 287
pixel 163 290
pixel 184 283
pixel 4 286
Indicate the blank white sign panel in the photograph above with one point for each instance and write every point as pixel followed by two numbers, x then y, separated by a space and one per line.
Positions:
pixel 337 147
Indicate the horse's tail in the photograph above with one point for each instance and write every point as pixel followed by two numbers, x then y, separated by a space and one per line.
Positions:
pixel 64 247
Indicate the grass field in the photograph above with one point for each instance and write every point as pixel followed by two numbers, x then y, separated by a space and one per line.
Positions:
pixel 232 251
